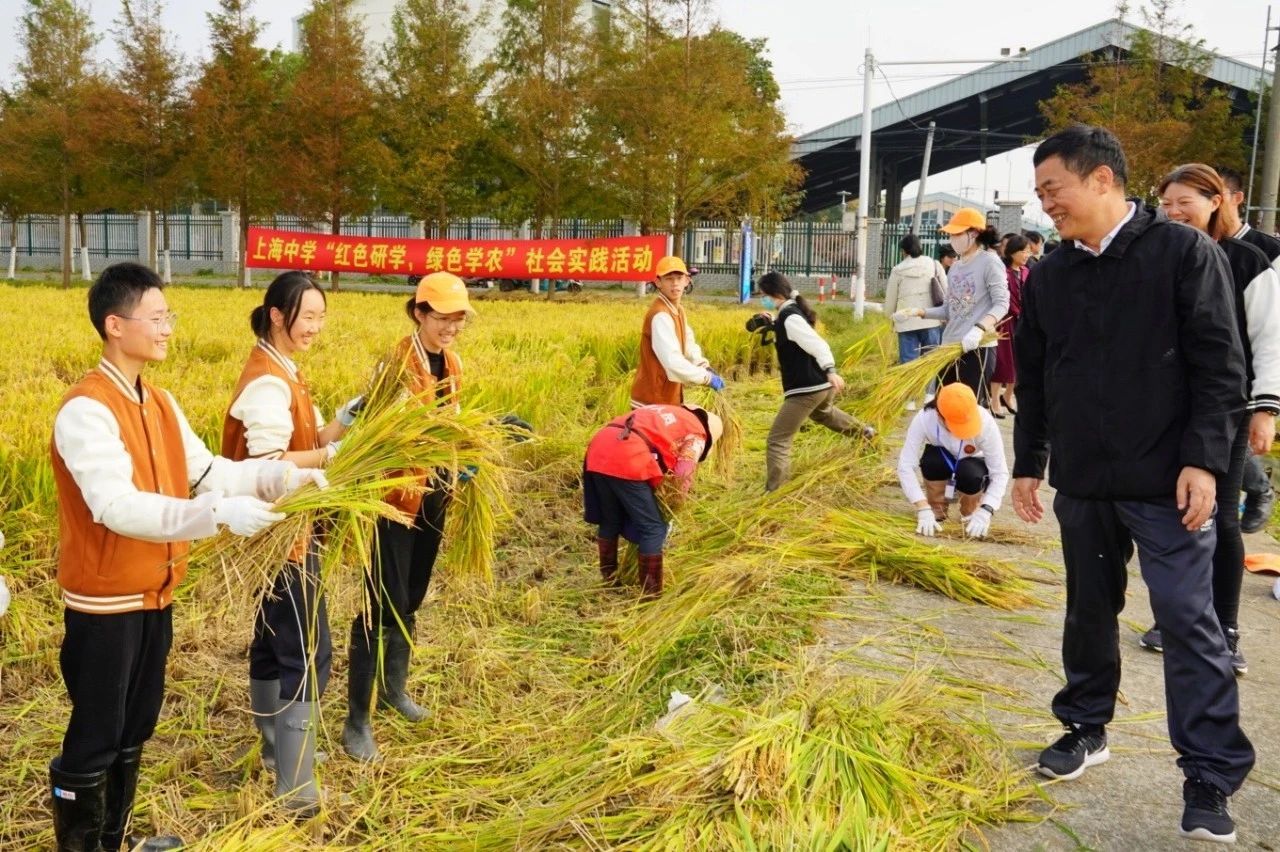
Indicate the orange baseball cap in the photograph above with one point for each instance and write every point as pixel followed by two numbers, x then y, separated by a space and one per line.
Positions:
pixel 959 410
pixel 964 219
pixel 445 292
pixel 668 264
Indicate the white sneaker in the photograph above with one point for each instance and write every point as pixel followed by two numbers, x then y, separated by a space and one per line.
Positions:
pixel 911 406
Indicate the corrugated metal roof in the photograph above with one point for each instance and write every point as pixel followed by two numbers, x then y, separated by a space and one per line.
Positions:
pixel 1111 33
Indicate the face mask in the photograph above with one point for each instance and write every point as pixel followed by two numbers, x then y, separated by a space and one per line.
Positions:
pixel 961 242
pixel 768 303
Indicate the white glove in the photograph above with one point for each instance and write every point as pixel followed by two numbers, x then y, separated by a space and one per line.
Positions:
pixel 971 339
pixel 245 515
pixel 4 596
pixel 979 523
pixel 900 315
pixel 927 522
pixel 331 450
pixel 347 413
pixel 300 476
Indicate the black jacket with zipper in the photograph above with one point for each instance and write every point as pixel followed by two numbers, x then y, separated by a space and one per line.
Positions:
pixel 1130 364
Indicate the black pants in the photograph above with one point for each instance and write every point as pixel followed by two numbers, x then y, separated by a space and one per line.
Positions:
pixel 624 507
pixel 975 370
pixel 1228 556
pixel 113 666
pixel 1201 696
pixel 291 633
pixel 971 473
pixel 1257 481
pixel 400 571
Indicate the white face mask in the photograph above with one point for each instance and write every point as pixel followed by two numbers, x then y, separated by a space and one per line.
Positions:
pixel 961 242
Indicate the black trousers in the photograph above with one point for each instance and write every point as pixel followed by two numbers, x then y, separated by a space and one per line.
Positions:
pixel 975 370
pixel 624 507
pixel 113 666
pixel 291 633
pixel 402 561
pixel 1201 696
pixel 971 473
pixel 1228 556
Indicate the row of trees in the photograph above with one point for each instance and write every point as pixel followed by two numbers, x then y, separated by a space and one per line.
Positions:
pixel 654 114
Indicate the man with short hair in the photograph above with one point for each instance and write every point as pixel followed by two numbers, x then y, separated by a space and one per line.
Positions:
pixel 125 464
pixel 1035 241
pixel 669 354
pixel 1259 497
pixel 1130 367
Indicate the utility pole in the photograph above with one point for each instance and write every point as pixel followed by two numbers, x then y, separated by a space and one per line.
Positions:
pixel 924 179
pixel 1257 116
pixel 1271 162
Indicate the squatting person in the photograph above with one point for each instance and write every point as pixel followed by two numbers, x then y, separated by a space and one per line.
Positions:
pixel 1130 368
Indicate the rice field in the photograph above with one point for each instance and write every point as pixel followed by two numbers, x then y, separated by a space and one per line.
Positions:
pixel 545 688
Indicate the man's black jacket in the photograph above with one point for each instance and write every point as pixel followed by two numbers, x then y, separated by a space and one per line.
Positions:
pixel 1129 364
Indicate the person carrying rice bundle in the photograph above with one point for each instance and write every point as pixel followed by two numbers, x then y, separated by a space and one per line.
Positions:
pixel 626 463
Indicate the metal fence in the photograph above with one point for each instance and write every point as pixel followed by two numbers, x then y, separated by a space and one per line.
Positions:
pixel 793 248
pixel 891 255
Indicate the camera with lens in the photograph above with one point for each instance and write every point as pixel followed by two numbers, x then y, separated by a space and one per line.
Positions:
pixel 761 324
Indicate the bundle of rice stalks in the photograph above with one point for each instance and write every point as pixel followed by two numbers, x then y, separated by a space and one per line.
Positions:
pixel 471 525
pixel 724 452
pixel 900 384
pixel 871 545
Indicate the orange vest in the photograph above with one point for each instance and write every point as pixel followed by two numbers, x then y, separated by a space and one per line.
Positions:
pixel 420 382
pixel 235 445
pixel 102 572
pixel 645 444
pixel 651 386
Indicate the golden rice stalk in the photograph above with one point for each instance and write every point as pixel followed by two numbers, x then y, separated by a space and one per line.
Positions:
pixel 724 452
pixel 901 383
pixel 471 525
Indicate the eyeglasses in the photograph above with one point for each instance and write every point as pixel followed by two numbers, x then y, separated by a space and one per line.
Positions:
pixel 158 323
pixel 448 322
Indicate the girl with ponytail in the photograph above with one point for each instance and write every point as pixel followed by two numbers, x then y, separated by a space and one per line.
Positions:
pixel 809 378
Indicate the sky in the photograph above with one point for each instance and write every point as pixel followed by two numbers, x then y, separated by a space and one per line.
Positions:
pixel 817 47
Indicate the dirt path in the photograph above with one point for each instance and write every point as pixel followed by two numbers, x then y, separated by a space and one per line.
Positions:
pixel 1133 802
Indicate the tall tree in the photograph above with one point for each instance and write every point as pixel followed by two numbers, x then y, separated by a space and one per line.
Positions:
pixel 236 108
pixel 152 126
pixel 1156 100
pixel 338 152
pixel 57 109
pixel 429 106
pixel 690 121
pixel 539 128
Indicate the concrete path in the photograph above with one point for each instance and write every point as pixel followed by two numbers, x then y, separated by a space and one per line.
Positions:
pixel 1133 802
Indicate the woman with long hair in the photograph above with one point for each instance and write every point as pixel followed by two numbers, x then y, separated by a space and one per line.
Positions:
pixel 1196 195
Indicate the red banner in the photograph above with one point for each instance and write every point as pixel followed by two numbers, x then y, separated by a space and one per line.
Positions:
pixel 598 259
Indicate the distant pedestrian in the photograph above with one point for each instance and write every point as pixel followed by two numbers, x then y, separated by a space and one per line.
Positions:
pixel 920 282
pixel 1016 253
pixel 1035 242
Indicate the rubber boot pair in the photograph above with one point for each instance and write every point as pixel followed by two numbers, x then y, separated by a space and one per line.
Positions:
pixel 936 494
pixel 357 733
pixel 91 811
pixel 295 747
pixel 651 574
pixel 608 549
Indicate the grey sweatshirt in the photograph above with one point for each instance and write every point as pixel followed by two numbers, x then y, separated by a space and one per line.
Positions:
pixel 976 287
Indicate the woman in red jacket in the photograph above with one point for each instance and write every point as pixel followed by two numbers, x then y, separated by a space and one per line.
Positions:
pixel 626 462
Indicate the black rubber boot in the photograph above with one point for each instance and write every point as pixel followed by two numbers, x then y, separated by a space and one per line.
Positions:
pixel 395 674
pixel 122 788
pixel 651 574
pixel 608 550
pixel 79 804
pixel 357 735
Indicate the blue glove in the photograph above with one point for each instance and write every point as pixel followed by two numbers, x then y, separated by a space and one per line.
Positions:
pixel 717 383
pixel 467 473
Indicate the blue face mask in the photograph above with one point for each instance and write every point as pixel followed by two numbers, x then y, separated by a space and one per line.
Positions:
pixel 768 303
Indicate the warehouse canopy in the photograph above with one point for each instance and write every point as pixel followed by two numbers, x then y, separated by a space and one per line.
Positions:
pixel 985 112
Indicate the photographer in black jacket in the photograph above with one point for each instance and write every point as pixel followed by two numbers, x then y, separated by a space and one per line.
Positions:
pixel 1130 367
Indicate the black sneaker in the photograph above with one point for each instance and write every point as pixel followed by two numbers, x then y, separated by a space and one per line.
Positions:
pixel 1080 747
pixel 1151 640
pixel 1257 511
pixel 1204 813
pixel 1238 663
